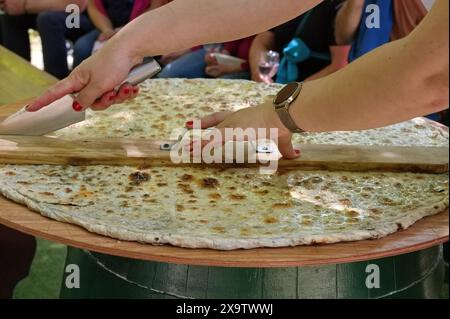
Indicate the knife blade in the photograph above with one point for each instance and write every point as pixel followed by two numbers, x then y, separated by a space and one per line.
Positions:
pixel 60 113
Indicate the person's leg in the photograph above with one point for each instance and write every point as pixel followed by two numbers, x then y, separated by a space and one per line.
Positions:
pixel 191 65
pixel 16 254
pixel 15 33
pixel 86 26
pixel 51 27
pixel 83 47
pixel 244 75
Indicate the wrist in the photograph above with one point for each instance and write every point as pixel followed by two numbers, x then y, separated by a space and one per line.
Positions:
pixel 131 51
pixel 272 120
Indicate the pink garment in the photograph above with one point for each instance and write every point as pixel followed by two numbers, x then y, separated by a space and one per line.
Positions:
pixel 139 7
pixel 239 48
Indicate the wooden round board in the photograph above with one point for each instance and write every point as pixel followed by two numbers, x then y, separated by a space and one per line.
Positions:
pixel 426 233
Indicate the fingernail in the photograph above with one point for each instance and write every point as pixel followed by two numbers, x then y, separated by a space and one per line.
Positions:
pixel 77 106
pixel 112 96
pixel 189 123
pixel 126 91
pixel 297 152
pixel 135 90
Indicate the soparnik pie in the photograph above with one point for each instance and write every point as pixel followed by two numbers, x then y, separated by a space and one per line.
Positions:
pixel 226 208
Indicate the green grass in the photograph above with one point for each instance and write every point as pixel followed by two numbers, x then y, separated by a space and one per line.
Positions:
pixel 46 272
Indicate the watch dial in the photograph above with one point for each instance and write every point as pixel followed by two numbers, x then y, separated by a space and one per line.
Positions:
pixel 286 93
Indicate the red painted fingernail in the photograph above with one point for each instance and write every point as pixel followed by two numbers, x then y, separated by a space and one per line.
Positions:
pixel 126 91
pixel 112 96
pixel 297 152
pixel 189 123
pixel 135 90
pixel 77 106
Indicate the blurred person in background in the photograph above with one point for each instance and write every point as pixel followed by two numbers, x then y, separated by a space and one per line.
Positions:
pixel 108 17
pixel 306 44
pixel 201 62
pixel 398 18
pixel 49 19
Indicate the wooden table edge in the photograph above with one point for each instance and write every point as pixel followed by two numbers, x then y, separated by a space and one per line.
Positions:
pixel 230 261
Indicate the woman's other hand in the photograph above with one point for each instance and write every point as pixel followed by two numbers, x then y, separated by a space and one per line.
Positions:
pixel 257 117
pixel 95 80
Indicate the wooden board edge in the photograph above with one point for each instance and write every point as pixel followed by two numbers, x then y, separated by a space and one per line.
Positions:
pixel 230 263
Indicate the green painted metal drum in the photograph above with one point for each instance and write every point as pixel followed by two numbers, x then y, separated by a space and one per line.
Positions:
pixel 415 275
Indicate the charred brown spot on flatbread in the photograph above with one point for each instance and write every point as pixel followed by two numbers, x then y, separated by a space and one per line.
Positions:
pixel 219 229
pixel 235 196
pixel 282 205
pixel 187 178
pixel 129 189
pixel 215 196
pixel 375 211
pixel 138 178
pixel 270 219
pixel 345 201
pixel 185 188
pixel 351 213
pixel 210 182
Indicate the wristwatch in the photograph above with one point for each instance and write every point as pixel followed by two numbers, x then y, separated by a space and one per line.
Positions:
pixel 282 103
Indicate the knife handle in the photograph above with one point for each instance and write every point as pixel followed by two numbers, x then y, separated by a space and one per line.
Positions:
pixel 142 72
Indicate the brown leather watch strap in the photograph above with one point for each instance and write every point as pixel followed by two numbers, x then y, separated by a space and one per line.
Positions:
pixel 282 103
pixel 286 119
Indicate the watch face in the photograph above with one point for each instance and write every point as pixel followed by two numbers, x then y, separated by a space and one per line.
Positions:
pixel 285 93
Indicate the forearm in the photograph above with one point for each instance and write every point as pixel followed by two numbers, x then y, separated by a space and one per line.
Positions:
pixel 396 82
pixel 374 91
pixel 36 6
pixel 100 21
pixel 262 43
pixel 188 23
pixel 348 20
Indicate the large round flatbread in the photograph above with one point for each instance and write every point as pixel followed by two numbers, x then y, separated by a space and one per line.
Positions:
pixel 227 208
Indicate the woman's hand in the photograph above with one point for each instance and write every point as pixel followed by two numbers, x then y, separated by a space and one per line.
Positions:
pixel 217 70
pixel 95 80
pixel 214 69
pixel 257 117
pixel 258 77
